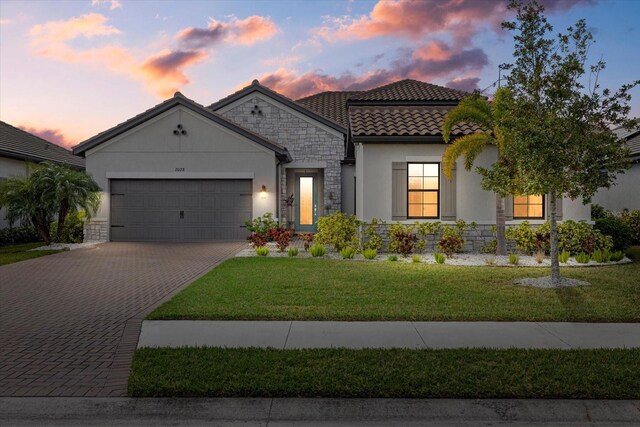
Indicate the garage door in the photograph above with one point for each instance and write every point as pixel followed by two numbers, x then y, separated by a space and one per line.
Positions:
pixel 145 210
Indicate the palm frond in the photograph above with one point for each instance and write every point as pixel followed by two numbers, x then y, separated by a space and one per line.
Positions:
pixel 469 146
pixel 470 110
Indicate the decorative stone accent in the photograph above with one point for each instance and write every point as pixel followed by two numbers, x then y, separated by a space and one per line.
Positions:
pixel 96 230
pixel 474 239
pixel 305 141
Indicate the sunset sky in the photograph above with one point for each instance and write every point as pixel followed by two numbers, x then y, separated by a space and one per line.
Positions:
pixel 69 70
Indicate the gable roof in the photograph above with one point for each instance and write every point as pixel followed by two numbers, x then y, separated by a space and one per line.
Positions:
pixel 179 99
pixel 632 138
pixel 19 144
pixel 408 91
pixel 413 121
pixel 255 86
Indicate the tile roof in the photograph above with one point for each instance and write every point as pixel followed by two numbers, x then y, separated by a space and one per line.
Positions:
pixel 634 145
pixel 332 105
pixel 419 120
pixel 410 91
pixel 17 143
pixel 632 136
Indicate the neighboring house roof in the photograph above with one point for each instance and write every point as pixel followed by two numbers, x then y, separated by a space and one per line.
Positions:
pixel 632 137
pixel 255 86
pixel 332 105
pixel 419 120
pixel 19 144
pixel 180 99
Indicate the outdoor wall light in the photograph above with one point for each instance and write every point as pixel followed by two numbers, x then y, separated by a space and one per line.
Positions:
pixel 263 192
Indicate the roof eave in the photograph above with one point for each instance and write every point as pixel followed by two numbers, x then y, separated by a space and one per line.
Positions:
pixel 398 139
pixel 399 103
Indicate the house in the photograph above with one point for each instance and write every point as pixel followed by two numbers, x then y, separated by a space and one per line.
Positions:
pixel 20 149
pixel 625 194
pixel 184 172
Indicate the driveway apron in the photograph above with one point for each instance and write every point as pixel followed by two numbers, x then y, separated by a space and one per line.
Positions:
pixel 69 323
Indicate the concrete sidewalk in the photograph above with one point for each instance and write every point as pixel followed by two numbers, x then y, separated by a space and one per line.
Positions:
pixel 416 335
pixel 315 412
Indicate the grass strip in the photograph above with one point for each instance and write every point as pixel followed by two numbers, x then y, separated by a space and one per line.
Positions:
pixel 396 373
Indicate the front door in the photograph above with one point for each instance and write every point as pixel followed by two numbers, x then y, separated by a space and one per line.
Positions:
pixel 307 206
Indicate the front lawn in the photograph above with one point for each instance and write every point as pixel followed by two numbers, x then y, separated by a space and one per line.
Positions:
pixel 463 373
pixel 314 289
pixel 16 253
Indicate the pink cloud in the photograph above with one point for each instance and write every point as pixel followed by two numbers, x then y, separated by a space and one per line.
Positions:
pixel 163 72
pixel 246 31
pixel 467 84
pixel 428 63
pixel 52 135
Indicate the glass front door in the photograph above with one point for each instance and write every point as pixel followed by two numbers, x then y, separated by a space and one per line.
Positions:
pixel 307 212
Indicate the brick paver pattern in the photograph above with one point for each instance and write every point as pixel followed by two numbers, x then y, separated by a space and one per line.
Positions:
pixel 69 323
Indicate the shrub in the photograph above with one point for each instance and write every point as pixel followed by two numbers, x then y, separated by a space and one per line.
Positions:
pixel 564 256
pixel 514 259
pixel 601 256
pixel 338 230
pixel 348 253
pixel 618 229
pixel 582 258
pixel 403 239
pixel 440 258
pixel 318 250
pixel 632 219
pixel 371 236
pixel 257 239
pixel 490 248
pixel 633 253
pixel 423 230
pixel 16 235
pixel 282 236
pixel 370 253
pixel 262 251
pixel 598 212
pixel 524 236
pixel 451 242
pixel 292 252
pixel 262 224
pixel 617 256
pixel 392 258
pixel 539 256
pixel 307 238
pixel 574 237
pixel 73 231
pixel 416 259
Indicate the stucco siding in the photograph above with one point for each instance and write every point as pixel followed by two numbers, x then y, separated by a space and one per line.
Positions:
pixel 207 151
pixel 8 168
pixel 625 194
pixel 308 141
pixel 348 189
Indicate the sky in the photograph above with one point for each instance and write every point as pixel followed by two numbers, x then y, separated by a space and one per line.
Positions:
pixel 72 69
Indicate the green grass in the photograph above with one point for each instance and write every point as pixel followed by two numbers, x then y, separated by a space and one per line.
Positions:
pixel 16 253
pixel 315 289
pixel 465 373
pixel 633 253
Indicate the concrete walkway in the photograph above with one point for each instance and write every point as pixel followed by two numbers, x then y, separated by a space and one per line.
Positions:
pixel 311 334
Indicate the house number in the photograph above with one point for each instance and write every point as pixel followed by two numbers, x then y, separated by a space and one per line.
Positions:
pixel 179 169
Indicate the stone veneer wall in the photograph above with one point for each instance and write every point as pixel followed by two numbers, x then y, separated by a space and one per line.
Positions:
pixel 474 239
pixel 306 142
pixel 96 230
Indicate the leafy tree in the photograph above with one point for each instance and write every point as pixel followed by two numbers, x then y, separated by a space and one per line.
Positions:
pixel 50 191
pixel 559 131
pixel 476 109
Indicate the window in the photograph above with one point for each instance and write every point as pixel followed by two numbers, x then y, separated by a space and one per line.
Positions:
pixel 423 188
pixel 525 207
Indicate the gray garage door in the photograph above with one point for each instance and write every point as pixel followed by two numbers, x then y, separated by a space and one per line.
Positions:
pixel 145 210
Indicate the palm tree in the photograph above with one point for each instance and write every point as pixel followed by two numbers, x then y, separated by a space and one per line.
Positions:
pixel 72 190
pixel 50 191
pixel 477 110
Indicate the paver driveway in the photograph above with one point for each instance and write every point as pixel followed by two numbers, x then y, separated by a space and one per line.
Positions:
pixel 69 322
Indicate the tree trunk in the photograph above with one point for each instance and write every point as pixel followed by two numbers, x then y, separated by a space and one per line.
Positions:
pixel 62 215
pixel 42 230
pixel 501 248
pixel 555 264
